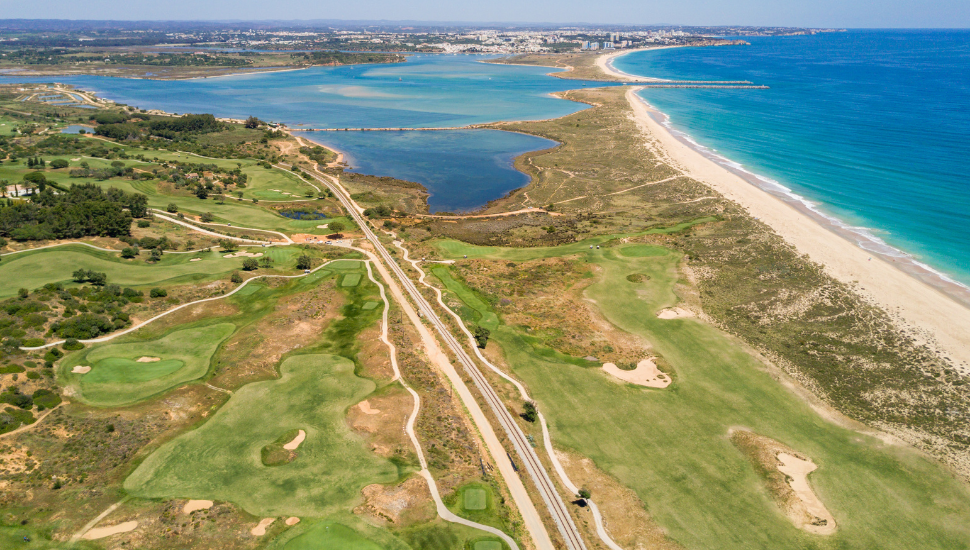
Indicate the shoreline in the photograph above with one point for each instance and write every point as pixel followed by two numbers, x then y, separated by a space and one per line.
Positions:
pixel 933 315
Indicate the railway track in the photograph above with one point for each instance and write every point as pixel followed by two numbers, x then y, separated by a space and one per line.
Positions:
pixel 527 456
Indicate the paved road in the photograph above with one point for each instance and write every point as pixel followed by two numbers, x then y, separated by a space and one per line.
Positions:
pixel 528 459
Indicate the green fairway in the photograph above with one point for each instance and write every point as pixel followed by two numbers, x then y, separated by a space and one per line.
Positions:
pixel 274 185
pixel 369 306
pixel 327 536
pixel 672 448
pixel 117 378
pixel 488 545
pixel 474 498
pixel 56 264
pixel 221 460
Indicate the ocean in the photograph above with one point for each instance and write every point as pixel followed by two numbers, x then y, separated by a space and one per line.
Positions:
pixel 871 129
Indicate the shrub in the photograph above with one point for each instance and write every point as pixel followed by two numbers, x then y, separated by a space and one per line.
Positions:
pixel 207 217
pixel 23 293
pixel 59 163
pixel 46 399
pixel 71 344
pixel 33 342
pixel 530 414
pixel 481 336
pixel 172 207
pixel 129 252
pixel 158 293
pixel 236 277
pixel 83 327
pixel 156 254
pixel 304 262
pixel 250 264
pixel 144 223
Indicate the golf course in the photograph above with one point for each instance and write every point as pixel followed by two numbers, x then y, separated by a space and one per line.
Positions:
pixel 699 487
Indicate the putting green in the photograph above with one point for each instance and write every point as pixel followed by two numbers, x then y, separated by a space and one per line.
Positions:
pixel 118 378
pixel 671 447
pixel 327 536
pixel 369 306
pixel 221 460
pixel 488 545
pixel 351 279
pixel 474 498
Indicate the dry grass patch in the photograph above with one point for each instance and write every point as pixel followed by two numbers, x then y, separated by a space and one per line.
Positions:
pixel 404 504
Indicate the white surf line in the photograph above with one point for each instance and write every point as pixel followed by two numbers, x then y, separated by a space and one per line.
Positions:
pixel 443 511
pixel 214 234
pixel 174 309
pixel 89 525
pixel 597 517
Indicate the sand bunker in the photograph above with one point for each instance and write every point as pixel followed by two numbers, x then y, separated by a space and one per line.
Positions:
pixel 242 254
pixel 260 528
pixel 147 359
pixel 193 505
pixel 324 226
pixel 102 532
pixel 797 471
pixel 366 408
pixel 196 260
pixel 292 521
pixel 81 369
pixel 292 445
pixel 646 374
pixel 675 313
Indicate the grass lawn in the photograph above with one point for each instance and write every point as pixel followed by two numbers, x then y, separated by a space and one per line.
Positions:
pixel 351 279
pixel 56 264
pixel 671 446
pixel 274 185
pixel 117 378
pixel 474 498
pixel 326 535
pixel 221 460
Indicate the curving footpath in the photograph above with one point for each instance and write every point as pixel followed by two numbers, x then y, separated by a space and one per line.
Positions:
pixel 220 235
pixel 443 511
pixel 547 440
pixel 174 309
pixel 528 457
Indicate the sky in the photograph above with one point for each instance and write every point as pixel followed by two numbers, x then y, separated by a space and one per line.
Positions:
pixel 797 13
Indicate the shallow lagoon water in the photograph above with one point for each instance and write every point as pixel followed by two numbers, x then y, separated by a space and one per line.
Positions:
pixel 462 169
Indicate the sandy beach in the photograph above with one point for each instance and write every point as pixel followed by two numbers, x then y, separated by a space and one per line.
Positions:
pixel 605 63
pixel 927 313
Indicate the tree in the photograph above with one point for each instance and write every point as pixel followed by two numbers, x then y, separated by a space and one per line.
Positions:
pixel 303 262
pixel 172 208
pixel 336 227
pixel 59 163
pixel 79 275
pixel 236 277
pixel 228 245
pixel 201 192
pixel 158 293
pixel 266 262
pixel 23 293
pixel 129 252
pixel 97 279
pixel 207 217
pixel 252 122
pixel 250 264
pixel 530 414
pixel 584 494
pixel 481 336
pixel 156 254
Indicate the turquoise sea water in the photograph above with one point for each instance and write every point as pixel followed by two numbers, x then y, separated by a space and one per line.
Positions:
pixel 872 128
pixel 461 169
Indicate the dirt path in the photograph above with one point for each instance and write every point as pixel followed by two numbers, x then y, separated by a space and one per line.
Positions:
pixel 443 511
pixel 560 471
pixel 29 427
pixel 286 239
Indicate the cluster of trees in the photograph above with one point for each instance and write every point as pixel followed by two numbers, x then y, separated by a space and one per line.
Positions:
pixel 96 278
pixel 168 128
pixel 80 211
pixel 381 211
pixel 117 169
